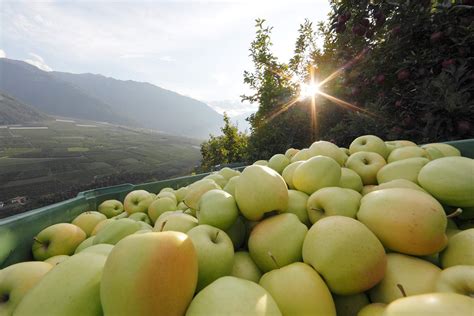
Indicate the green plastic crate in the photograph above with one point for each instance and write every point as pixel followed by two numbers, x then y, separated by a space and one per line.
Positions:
pixel 17 231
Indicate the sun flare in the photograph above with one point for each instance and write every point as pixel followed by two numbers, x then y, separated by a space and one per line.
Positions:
pixel 308 90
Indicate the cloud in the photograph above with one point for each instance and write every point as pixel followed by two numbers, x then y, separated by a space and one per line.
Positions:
pixel 38 62
pixel 2 53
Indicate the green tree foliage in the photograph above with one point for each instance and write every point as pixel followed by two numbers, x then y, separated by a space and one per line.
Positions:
pixel 229 147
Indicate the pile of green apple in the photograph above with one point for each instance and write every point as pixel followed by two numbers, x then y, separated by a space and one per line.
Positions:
pixel 368 230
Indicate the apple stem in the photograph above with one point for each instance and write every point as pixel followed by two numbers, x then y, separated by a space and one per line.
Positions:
pixel 163 226
pixel 215 237
pixel 274 260
pixel 456 213
pixel 400 287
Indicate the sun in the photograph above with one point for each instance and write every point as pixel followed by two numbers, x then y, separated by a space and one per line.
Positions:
pixel 308 90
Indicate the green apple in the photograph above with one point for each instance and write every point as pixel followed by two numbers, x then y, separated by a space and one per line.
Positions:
pixel 316 173
pixel 180 207
pixel 217 208
pixel 369 143
pixel 405 220
pixel 110 208
pixel 297 201
pixel 177 221
pixel 57 239
pixel 332 201
pixel 303 154
pixel 350 305
pixel 328 149
pixel 417 276
pixel 366 165
pixel 220 180
pixel 245 268
pixel 374 309
pixel 196 190
pixel 459 189
pixel 116 231
pixel 150 274
pixel 403 169
pixel 431 304
pixel 71 288
pixel 85 244
pixel 180 194
pixel 167 189
pixel 399 183
pixel 460 250
pixel 278 162
pixel 276 241
pixel 288 172
pixel 350 180
pixel 100 249
pixel 299 290
pixel 159 206
pixel 230 186
pixel 259 190
pixel 103 224
pixel 215 253
pixel 366 189
pixel 56 259
pixel 345 253
pixel 167 194
pixel 140 217
pixel 393 144
pixel 237 232
pixel 16 280
pixel 137 201
pixel 233 296
pixel 88 220
pixel 121 215
pixel 290 152
pixel 228 173
pixel 402 153
pixel 433 153
pixel 457 279
pixel 345 151
pixel 261 162
pixel 446 149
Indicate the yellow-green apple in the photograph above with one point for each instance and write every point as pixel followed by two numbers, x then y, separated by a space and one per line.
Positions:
pixel 345 253
pixel 451 229
pixel 16 280
pixel 332 201
pixel 85 244
pixel 150 274
pixel 433 153
pixel 167 189
pixel 417 276
pixel 233 296
pixel 100 249
pixel 103 224
pixel 405 220
pixel 328 149
pixel 140 217
pixel 366 189
pixel 110 208
pixel 71 288
pixel 217 208
pixel 374 309
pixel 316 173
pixel 350 180
pixel 350 305
pixel 407 152
pixel 393 144
pixel 369 143
pixel 259 190
pixel 460 250
pixel 366 165
pixel 220 180
pixel 116 231
pixel 276 241
pixel 177 221
pixel 278 162
pixel 345 150
pixel 57 239
pixel 261 162
pixel 228 173
pixel 299 290
pixel 237 232
pixel 215 253
pixel 137 201
pixel 180 207
pixel 288 172
pixel 457 279
pixel 181 193
pixel 159 206
pixel 399 183
pixel 290 152
pixel 403 169
pixel 446 149
pixel 431 304
pixel 245 268
pixel 297 201
pixel 56 259
pixel 121 215
pixel 88 220
pixel 450 180
pixel 230 186
pixel 301 155
pixel 167 194
pixel 196 190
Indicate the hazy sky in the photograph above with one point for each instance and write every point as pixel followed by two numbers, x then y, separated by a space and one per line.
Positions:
pixel 196 48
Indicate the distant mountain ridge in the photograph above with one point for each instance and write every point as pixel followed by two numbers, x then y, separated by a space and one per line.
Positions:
pixel 99 98
pixel 14 112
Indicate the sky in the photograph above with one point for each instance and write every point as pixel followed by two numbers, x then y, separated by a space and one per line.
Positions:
pixel 196 48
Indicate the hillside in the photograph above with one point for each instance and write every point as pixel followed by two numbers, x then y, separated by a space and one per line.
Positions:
pixel 14 112
pixel 152 106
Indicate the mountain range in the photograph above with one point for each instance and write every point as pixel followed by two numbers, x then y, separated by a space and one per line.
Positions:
pixel 99 98
pixel 14 112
